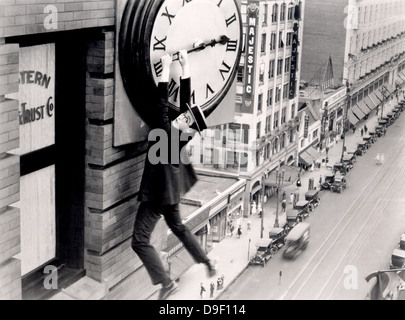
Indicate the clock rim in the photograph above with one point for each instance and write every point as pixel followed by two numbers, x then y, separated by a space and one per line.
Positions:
pixel 138 74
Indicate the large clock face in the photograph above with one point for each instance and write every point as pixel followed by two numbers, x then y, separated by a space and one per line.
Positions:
pixel 183 25
pixel 152 28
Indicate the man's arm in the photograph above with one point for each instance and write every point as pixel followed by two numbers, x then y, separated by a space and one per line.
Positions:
pixel 185 82
pixel 163 120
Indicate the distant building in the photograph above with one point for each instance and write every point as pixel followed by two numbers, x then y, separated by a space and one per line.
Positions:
pixel 264 134
pixel 366 42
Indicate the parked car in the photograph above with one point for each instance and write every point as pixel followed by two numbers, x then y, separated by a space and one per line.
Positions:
pixel 328 181
pixel 278 236
pixel 263 252
pixel 313 197
pixel 340 167
pixel 349 160
pixel 339 184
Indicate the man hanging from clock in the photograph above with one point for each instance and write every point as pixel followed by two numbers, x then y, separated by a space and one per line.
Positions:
pixel 163 183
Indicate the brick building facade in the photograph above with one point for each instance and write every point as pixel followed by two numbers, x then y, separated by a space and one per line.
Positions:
pixel 91 185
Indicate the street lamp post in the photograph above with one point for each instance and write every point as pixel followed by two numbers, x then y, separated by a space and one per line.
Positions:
pixel 279 178
pixel 262 214
pixel 345 119
pixel 382 103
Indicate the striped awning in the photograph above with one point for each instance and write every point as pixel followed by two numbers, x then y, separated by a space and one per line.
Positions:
pixel 375 99
pixel 379 95
pixel 352 117
pixel 370 104
pixel 358 112
pixel 363 106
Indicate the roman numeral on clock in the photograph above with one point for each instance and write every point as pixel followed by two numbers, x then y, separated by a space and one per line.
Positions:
pixel 158 68
pixel 208 90
pixel 220 2
pixel 226 70
pixel 230 20
pixel 159 44
pixel 232 45
pixel 168 15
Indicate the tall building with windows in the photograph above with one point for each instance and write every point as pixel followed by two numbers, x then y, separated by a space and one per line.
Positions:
pixel 366 40
pixel 264 133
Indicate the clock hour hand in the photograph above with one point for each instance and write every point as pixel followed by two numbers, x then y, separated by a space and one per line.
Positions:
pixel 199 46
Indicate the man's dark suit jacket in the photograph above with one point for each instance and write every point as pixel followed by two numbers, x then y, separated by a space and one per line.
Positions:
pixel 165 183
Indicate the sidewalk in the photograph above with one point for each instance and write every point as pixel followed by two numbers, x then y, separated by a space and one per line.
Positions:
pixel 232 253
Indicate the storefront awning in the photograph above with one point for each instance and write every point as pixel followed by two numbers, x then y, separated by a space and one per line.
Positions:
pixel 375 99
pixel 369 104
pixel 306 159
pixel 379 95
pixel 401 75
pixel 352 117
pixel 363 107
pixel 389 87
pixel 313 153
pixel 358 112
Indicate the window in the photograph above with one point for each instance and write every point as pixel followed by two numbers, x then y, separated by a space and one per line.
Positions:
pixel 275 13
pixel 208 156
pixel 267 129
pixel 282 141
pixel 263 45
pixel 293 111
pixel 291 13
pixel 285 91
pixel 271 69
pixel 275 121
pixel 280 40
pixel 278 91
pixel 279 67
pixel 269 97
pixel 282 12
pixel 265 14
pixel 291 134
pixel 314 134
pixel 258 130
pixel 287 65
pixel 260 102
pixel 261 75
pixel 283 115
pixel 273 40
pixel 289 39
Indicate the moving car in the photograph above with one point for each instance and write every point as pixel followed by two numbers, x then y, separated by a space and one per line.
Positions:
pixel 297 240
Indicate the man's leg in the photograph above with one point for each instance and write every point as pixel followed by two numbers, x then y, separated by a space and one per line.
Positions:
pixel 173 220
pixel 145 222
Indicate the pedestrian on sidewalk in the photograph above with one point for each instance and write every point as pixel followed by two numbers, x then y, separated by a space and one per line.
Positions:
pixel 283 204
pixel 163 184
pixel 376 112
pixel 361 131
pixel 280 274
pixel 320 180
pixel 202 291
pixel 219 281
pixel 212 288
pixel 365 129
pixel 291 197
pixel 222 281
pixel 239 231
pixel 354 129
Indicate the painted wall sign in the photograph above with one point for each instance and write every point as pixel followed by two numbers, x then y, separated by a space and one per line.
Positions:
pixel 36 96
pixel 251 38
pixel 294 62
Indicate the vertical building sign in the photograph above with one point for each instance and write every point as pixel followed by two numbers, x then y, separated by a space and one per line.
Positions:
pixel 294 62
pixel 251 39
pixel 306 125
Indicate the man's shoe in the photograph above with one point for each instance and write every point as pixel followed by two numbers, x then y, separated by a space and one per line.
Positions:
pixel 167 291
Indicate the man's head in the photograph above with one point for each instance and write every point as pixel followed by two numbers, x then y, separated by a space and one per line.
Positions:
pixel 193 118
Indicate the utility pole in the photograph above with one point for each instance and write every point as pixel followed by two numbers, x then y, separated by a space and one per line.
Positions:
pixel 262 214
pixel 345 119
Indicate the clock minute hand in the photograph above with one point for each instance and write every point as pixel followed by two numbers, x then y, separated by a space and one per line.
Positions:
pixel 223 40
